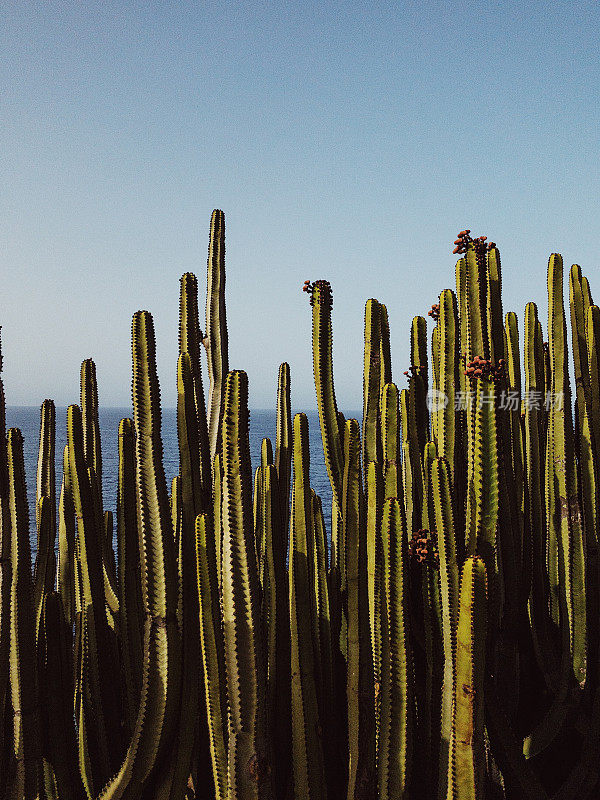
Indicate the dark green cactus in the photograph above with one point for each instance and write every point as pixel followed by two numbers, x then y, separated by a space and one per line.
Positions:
pixel 283 445
pixel 131 614
pixel 360 685
pixel 26 746
pixel 212 655
pixel 61 777
pixel 307 744
pixel 5 584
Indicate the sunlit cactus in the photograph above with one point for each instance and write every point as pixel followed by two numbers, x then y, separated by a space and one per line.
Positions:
pixel 431 635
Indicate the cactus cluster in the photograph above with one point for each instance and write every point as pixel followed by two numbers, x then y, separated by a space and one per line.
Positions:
pixel 444 644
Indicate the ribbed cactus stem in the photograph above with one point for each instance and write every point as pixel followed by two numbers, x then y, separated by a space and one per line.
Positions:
pixel 131 612
pixel 46 476
pixel 322 342
pixel 395 689
pixel 161 684
pixel 212 655
pixel 564 514
pixel 371 443
pixel 391 440
pixel 23 668
pixel 307 745
pixel 66 543
pixel 190 337
pixel 468 748
pixel 91 420
pixel 249 752
pixel 216 340
pixel 283 445
pixel 360 687
pixel 5 570
pixel 449 589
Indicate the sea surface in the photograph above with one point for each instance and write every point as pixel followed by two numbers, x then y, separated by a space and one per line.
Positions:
pixel 262 424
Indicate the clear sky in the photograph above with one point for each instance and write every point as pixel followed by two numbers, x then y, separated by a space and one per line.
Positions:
pixel 344 140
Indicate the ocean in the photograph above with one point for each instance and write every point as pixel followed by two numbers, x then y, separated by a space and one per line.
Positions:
pixel 262 424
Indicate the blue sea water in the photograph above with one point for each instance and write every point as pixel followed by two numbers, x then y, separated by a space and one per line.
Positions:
pixel 262 424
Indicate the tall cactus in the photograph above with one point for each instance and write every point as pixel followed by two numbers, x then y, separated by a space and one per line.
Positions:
pixel 394 741
pixel 321 300
pixel 5 576
pixel 360 687
pixel 248 746
pixel 307 745
pixel 190 337
pixel 25 782
pixel 212 655
pixel 283 444
pixel 468 748
pixel 130 595
pixel 216 339
pixel 152 736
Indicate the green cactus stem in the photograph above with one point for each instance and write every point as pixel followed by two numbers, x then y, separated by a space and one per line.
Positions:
pixel 190 337
pixel 468 750
pixel 360 687
pixel 283 446
pixel 59 746
pixel 5 577
pixel 371 441
pixel 395 692
pixel 131 613
pixel 307 745
pixel 152 738
pixel 212 655
pixel 216 339
pixel 26 745
pixel 66 543
pixel 248 748
pixel 321 300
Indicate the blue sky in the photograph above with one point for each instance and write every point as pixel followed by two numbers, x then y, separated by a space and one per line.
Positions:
pixel 344 140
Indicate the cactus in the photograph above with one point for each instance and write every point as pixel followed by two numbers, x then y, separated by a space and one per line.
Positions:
pixel 5 580
pixel 130 595
pixel 360 686
pixel 153 731
pixel 248 747
pixel 59 745
pixel 395 716
pixel 443 647
pixel 212 655
pixel 99 734
pixel 24 783
pixel 321 300
pixel 283 446
pixel 307 745
pixel 468 750
pixel 216 341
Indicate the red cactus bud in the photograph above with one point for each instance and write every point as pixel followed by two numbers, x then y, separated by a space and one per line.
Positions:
pixel 456 250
